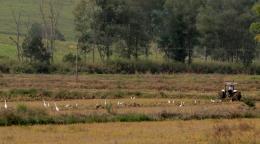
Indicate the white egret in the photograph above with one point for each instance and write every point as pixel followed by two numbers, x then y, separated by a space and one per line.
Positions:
pixel 182 104
pixel 120 103
pixel 44 103
pixel 56 107
pixel 5 104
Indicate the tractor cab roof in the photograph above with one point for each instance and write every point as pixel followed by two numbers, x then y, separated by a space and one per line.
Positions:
pixel 230 83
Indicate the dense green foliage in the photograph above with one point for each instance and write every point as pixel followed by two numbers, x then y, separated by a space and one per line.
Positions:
pixel 33 47
pixel 128 27
pixel 136 32
pixel 123 66
pixel 179 34
pixel 224 27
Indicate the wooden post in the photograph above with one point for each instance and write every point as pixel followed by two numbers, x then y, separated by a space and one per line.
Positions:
pixel 77 75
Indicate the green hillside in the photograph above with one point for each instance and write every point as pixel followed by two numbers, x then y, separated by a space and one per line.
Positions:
pixel 30 9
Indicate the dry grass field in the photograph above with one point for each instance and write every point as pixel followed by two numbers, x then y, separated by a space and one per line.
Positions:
pixel 206 119
pixel 139 106
pixel 191 86
pixel 240 131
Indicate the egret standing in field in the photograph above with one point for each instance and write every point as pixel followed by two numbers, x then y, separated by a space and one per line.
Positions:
pixel 44 104
pixel 120 103
pixel 5 104
pixel 67 106
pixel 182 104
pixel 213 101
pixel 56 107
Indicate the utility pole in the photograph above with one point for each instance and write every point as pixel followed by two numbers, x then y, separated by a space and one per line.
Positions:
pixel 77 75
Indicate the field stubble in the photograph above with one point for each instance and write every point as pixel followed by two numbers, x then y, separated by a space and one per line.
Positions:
pixel 167 132
pixel 59 87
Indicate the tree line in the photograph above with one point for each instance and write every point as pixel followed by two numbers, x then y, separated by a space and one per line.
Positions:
pixel 218 28
pixel 224 30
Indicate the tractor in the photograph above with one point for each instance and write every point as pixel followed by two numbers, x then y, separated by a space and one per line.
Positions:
pixel 229 92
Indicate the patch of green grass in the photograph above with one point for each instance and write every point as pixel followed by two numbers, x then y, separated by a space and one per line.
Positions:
pixel 31 8
pixel 7 52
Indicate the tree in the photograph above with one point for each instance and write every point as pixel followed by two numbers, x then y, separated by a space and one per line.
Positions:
pixel 86 26
pixel 179 35
pixel 115 25
pixel 134 30
pixel 33 47
pixel 223 25
pixel 18 24
pixel 255 26
pixel 50 13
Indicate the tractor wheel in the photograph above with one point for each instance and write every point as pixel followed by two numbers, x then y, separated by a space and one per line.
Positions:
pixel 222 95
pixel 237 96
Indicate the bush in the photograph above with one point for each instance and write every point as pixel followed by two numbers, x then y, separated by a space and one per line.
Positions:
pixel 132 118
pixel 71 58
pixel 23 92
pixel 125 66
pixel 21 108
pixel 4 68
pixel 148 66
pixel 32 68
pixel 249 102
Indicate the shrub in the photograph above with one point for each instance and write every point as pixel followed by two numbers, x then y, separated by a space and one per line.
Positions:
pixel 4 68
pixel 23 92
pixel 125 66
pixel 46 93
pixel 32 68
pixel 71 58
pixel 132 118
pixel 249 102
pixel 109 109
pixel 21 108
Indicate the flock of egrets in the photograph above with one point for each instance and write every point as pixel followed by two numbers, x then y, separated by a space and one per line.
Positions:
pixel 119 104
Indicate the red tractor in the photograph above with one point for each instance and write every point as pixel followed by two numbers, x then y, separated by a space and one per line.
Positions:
pixel 229 92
